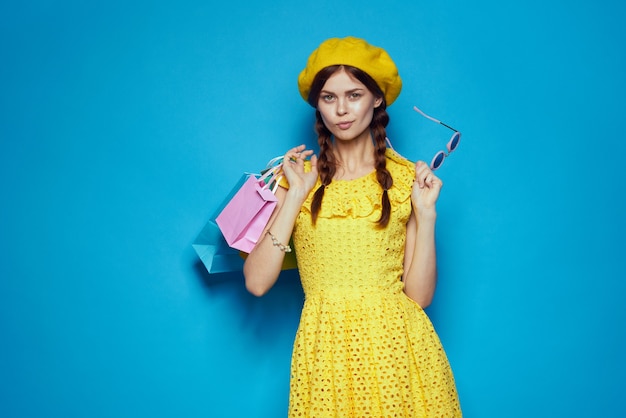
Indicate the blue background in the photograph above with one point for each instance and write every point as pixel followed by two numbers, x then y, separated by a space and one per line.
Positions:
pixel 124 124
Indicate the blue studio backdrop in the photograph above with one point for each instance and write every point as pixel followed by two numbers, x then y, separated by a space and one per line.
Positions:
pixel 123 125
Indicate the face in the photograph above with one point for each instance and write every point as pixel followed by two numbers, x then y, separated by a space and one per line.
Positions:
pixel 347 107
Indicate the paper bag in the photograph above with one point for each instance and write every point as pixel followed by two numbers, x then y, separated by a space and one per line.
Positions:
pixel 244 218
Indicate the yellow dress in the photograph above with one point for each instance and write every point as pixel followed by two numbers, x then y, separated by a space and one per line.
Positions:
pixel 363 348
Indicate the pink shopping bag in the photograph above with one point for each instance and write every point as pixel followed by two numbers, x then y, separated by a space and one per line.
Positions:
pixel 244 218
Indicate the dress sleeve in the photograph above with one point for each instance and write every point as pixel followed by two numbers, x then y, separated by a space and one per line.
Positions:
pixel 403 173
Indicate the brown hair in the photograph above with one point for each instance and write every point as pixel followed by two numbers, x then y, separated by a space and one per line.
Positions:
pixel 327 164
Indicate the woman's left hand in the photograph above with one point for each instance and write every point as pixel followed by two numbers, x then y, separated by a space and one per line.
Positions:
pixel 426 188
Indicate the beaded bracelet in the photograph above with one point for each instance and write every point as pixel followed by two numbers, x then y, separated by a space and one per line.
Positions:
pixel 284 248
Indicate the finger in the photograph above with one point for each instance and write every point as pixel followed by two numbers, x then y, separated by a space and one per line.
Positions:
pixel 298 153
pixel 433 182
pixel 430 180
pixel 314 163
pixel 292 157
pixel 422 171
pixel 302 156
pixel 295 150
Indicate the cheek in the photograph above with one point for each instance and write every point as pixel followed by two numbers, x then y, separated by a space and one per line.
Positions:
pixel 363 108
pixel 324 118
pixel 326 113
pixel 328 125
pixel 366 113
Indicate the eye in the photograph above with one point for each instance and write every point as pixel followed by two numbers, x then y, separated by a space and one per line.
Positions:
pixel 355 95
pixel 328 97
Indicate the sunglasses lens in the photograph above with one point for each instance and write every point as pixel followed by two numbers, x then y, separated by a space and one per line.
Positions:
pixel 437 160
pixel 454 141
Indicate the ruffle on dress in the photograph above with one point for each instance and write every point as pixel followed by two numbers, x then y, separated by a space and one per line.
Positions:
pixel 361 200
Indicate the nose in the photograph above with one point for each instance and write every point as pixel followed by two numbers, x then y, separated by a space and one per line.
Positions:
pixel 341 106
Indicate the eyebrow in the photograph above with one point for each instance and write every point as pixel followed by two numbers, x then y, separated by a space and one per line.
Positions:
pixel 346 92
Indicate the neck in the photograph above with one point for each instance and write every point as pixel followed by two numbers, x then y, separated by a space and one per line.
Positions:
pixel 355 158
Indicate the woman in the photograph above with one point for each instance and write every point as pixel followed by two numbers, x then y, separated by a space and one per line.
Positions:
pixel 363 224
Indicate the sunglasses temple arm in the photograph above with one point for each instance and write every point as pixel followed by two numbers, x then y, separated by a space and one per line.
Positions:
pixel 425 115
pixel 433 119
pixel 447 126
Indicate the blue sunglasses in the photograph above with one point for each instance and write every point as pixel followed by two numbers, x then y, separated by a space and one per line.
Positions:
pixel 451 145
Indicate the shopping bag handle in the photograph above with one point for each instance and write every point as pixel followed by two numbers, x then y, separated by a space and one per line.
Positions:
pixel 273 173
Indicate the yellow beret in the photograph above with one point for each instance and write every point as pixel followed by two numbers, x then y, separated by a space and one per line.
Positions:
pixel 357 53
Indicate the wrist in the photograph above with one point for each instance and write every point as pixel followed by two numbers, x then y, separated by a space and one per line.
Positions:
pixel 426 215
pixel 296 195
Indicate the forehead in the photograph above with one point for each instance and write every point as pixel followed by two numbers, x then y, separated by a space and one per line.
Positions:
pixel 341 81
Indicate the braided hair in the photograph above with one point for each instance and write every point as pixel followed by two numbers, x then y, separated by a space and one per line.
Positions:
pixel 327 163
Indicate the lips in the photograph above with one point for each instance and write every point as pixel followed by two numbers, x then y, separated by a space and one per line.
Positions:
pixel 344 125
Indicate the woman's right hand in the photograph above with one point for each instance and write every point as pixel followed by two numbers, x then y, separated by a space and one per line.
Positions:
pixel 300 182
pixel 263 264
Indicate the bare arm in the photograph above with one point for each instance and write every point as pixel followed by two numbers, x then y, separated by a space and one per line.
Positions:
pixel 420 259
pixel 263 264
pixel 420 266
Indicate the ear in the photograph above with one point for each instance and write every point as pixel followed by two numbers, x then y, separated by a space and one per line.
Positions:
pixel 378 102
